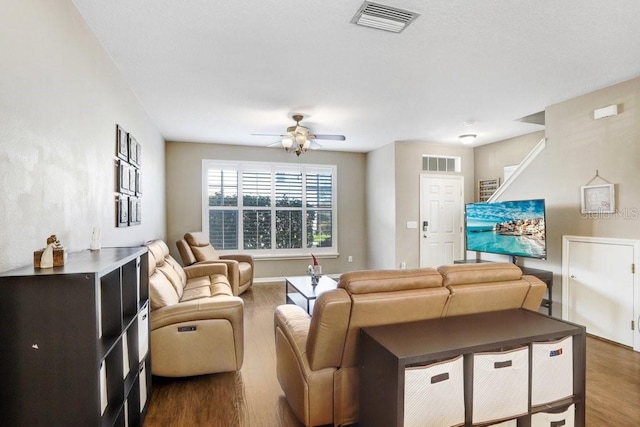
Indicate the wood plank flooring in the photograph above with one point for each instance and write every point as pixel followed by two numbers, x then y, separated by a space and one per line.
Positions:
pixel 253 398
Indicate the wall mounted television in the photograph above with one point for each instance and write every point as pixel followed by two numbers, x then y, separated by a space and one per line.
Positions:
pixel 515 228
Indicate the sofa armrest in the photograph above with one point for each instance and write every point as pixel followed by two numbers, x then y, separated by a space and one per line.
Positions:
pixel 239 258
pixel 223 307
pixel 206 269
pixel 294 323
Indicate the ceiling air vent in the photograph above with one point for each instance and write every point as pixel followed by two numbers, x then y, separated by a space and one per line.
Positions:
pixel 383 17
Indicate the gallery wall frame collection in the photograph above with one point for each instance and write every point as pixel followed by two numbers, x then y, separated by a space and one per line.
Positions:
pixel 128 179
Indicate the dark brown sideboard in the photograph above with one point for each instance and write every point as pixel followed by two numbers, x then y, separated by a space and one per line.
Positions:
pixel 387 351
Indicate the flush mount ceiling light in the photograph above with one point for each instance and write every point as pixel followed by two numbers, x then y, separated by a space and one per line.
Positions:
pixel 467 138
pixel 383 17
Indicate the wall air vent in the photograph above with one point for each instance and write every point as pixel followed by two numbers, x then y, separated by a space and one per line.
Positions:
pixel 382 17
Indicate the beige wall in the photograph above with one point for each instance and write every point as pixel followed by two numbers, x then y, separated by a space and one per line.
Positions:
pixel 577 146
pixel 490 159
pixel 408 164
pixel 184 200
pixel 60 100
pixel 397 168
pixel 381 213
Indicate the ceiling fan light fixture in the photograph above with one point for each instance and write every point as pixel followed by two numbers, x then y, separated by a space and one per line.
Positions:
pixel 287 143
pixel 467 138
pixel 298 139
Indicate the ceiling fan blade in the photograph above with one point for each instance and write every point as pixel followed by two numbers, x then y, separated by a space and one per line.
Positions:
pixel 267 134
pixel 275 144
pixel 314 145
pixel 330 137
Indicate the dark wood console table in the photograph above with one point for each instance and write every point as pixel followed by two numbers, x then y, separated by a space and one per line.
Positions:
pixel 545 275
pixel 386 351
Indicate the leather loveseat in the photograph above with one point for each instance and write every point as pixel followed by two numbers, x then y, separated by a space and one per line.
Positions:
pixel 196 322
pixel 317 356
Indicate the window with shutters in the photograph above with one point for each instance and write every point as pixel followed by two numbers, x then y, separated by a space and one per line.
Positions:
pixel 270 209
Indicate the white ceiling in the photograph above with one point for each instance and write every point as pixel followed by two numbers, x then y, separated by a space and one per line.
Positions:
pixel 220 70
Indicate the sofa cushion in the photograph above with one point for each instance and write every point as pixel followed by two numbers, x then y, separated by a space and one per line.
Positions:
pixel 161 291
pixel 370 281
pixel 207 286
pixel 483 297
pixel 174 277
pixel 159 250
pixel 463 274
pixel 220 285
pixel 201 248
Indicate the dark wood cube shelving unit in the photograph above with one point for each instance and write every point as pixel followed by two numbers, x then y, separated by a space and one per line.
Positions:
pixel 386 351
pixel 71 341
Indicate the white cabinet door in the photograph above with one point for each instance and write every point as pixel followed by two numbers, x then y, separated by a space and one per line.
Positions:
pixel 598 286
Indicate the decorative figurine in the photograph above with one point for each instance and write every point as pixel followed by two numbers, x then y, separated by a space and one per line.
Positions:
pixel 54 255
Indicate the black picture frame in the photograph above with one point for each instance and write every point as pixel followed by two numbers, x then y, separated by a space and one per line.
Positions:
pixel 124 178
pixel 134 150
pixel 138 182
pixel 135 206
pixel 132 181
pixel 122 143
pixel 122 211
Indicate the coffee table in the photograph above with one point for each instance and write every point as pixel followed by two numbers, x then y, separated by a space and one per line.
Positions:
pixel 299 290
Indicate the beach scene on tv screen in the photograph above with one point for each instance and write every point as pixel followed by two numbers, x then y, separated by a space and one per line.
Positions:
pixel 513 228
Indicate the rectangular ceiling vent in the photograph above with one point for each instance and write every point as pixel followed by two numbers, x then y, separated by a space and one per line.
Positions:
pixel 382 17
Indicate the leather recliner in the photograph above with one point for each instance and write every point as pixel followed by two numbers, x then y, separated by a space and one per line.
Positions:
pixel 195 248
pixel 197 324
pixel 317 360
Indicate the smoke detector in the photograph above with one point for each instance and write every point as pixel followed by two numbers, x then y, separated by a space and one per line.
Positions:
pixel 383 17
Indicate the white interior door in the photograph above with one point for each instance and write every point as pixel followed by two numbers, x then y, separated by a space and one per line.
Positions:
pixel 441 211
pixel 598 287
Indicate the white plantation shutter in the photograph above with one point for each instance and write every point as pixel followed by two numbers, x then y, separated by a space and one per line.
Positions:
pixel 222 191
pixel 288 186
pixel 270 208
pixel 319 195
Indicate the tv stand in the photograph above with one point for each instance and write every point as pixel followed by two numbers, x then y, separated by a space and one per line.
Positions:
pixel 545 275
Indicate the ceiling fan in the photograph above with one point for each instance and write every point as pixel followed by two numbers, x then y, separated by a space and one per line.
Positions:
pixel 298 139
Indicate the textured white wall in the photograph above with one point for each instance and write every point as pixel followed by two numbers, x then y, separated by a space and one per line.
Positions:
pixel 60 100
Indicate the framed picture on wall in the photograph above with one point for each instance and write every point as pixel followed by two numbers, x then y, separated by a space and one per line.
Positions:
pixel 124 177
pixel 134 211
pixel 122 211
pixel 122 143
pixel 598 198
pixel 138 183
pixel 133 151
pixel 132 180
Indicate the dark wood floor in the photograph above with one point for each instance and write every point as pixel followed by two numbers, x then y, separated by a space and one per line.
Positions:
pixel 253 398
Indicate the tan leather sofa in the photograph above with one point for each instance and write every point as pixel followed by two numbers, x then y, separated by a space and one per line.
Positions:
pixel 317 356
pixel 196 248
pixel 196 322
